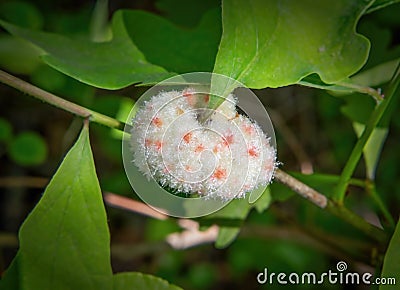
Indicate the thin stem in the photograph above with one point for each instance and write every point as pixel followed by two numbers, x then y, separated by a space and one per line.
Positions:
pixel 59 102
pixel 350 217
pixel 132 205
pixel 23 181
pixel 322 201
pixel 304 190
pixel 355 155
pixel 376 94
pixel 371 190
pixel 357 182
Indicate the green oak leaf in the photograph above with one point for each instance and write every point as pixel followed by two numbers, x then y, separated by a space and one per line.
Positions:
pixel 139 281
pixel 314 81
pixel 372 77
pixel 231 217
pixel 377 75
pixel 235 213
pixel 110 65
pixel 65 242
pixel 381 37
pixel 176 49
pixel 276 43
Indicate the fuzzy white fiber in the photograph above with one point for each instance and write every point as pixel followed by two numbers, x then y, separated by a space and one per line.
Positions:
pixel 224 158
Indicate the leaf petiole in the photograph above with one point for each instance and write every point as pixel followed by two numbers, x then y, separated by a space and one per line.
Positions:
pixel 379 111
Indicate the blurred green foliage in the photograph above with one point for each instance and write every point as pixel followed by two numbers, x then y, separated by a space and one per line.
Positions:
pixel 28 148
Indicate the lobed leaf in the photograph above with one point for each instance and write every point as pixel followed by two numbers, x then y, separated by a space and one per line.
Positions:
pixel 110 65
pixel 174 48
pixel 232 216
pixel 377 75
pixel 278 42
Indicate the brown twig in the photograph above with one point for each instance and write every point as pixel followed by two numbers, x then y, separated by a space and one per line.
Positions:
pixel 54 100
pixel 132 205
pixel 304 190
pixel 192 237
pixel 22 181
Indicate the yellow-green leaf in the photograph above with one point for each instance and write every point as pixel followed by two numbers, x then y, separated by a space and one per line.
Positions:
pixel 64 242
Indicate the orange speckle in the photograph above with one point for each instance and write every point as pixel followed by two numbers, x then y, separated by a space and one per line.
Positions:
pixel 228 139
pixel 158 145
pixel 249 129
pixel 220 147
pixel 199 148
pixel 236 116
pixel 269 166
pixel 252 150
pixel 206 98
pixel 246 187
pixel 187 137
pixel 190 97
pixel 147 142
pixel 187 93
pixel 157 122
pixel 219 173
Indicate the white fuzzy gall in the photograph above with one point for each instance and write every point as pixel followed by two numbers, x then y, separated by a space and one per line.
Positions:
pixel 224 158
